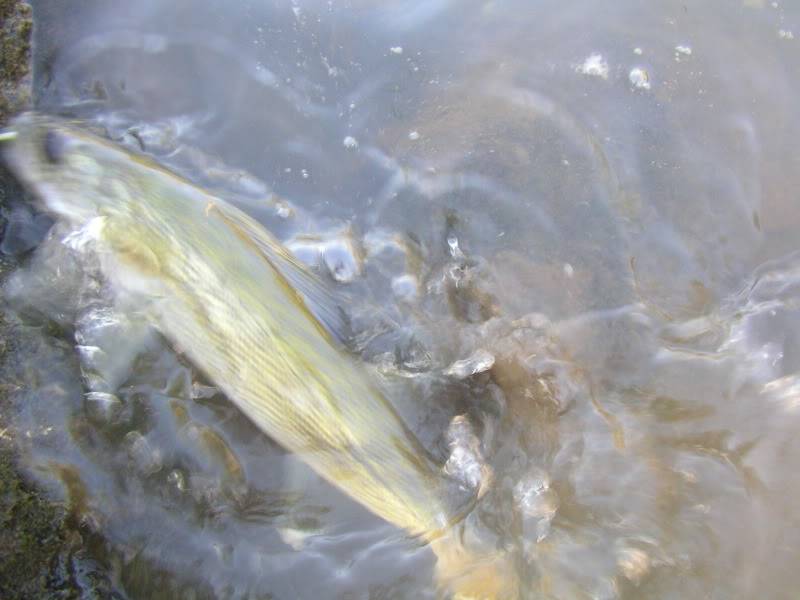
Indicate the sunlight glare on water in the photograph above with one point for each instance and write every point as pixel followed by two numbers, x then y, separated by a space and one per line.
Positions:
pixel 568 238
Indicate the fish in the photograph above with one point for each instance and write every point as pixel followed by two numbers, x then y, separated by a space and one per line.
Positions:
pixel 259 324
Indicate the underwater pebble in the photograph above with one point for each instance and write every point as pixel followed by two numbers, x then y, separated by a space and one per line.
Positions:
pixel 633 563
pixel 179 384
pixel 203 392
pixel 23 231
pixel 108 343
pixel 478 362
pixel 396 49
pixel 103 408
pixel 465 464
pixel 534 496
pixel 538 503
pixel 146 459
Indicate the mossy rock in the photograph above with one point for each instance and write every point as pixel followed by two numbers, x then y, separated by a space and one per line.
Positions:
pixel 16 25
pixel 33 536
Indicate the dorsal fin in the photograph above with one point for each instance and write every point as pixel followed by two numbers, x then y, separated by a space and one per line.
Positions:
pixel 321 301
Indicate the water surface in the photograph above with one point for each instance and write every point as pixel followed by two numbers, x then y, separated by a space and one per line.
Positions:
pixel 600 197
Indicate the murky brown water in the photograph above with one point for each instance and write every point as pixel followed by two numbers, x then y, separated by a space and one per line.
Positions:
pixel 602 197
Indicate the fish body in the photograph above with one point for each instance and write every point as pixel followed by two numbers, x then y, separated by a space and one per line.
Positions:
pixel 244 311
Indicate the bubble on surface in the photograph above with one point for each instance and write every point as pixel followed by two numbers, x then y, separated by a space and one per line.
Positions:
pixel 405 287
pixel 594 66
pixel 177 480
pixel 452 244
pixel 682 52
pixel 342 260
pixel 296 539
pixel 338 253
pixel 350 142
pixel 639 78
pixel 283 209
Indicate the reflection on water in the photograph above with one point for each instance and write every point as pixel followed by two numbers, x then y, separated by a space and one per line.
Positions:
pixel 567 232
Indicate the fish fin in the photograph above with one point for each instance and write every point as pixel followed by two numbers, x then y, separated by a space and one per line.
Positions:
pixel 323 303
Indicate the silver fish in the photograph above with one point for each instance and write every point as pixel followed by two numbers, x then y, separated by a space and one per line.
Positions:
pixel 261 326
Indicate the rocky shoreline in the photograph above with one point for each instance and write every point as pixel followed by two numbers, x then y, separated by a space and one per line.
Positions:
pixel 35 535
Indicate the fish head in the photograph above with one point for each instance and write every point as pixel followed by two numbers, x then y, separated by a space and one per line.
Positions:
pixel 69 170
pixel 101 191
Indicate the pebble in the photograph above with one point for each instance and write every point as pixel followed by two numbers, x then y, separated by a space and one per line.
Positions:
pixel 146 459
pixel 465 463
pixel 103 408
pixel 633 563
pixel 478 362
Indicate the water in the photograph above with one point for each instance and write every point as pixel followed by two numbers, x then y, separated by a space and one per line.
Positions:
pixel 569 234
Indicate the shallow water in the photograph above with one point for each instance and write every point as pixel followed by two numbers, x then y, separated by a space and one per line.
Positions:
pixel 573 223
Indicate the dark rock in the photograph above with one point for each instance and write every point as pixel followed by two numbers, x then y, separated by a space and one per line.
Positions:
pixel 23 230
